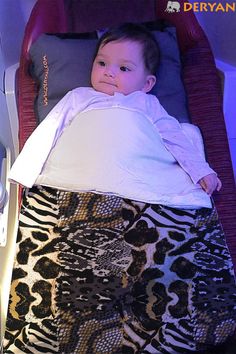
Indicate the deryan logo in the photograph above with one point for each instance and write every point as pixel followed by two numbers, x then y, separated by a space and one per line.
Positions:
pixel 174 6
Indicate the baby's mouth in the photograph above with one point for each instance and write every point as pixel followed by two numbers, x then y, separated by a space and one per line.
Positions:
pixel 108 83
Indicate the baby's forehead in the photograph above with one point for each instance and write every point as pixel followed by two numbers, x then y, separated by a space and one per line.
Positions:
pixel 126 45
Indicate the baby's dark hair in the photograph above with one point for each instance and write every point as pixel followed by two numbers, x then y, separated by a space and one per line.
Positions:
pixel 137 33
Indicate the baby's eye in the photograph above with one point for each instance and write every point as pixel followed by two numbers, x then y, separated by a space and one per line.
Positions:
pixel 101 63
pixel 124 68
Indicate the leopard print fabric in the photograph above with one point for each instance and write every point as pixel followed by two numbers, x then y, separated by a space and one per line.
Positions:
pixel 98 274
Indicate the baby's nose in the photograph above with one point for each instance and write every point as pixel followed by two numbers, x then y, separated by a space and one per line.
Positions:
pixel 110 72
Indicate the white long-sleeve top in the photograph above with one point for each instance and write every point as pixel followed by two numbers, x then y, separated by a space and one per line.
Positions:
pixel 32 160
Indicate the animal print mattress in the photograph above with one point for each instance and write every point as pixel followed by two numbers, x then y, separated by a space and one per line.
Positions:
pixel 98 274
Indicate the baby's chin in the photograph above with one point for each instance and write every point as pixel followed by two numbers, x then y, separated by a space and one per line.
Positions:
pixel 108 89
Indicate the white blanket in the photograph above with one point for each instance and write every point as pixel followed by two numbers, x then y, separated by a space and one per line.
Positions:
pixel 119 151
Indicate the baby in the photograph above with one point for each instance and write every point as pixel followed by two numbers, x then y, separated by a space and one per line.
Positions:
pixel 125 63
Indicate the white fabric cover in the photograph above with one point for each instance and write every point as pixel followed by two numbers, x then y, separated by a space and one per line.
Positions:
pixel 119 151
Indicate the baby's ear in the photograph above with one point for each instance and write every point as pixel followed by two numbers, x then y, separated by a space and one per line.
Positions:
pixel 150 82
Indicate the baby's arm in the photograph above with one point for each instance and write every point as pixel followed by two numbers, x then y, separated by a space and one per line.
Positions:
pixel 183 150
pixel 30 161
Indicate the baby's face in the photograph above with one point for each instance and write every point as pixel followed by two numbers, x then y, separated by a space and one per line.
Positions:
pixel 119 67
